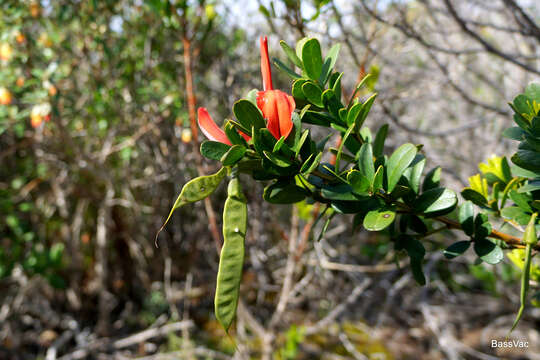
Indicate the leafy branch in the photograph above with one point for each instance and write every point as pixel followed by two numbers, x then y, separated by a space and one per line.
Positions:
pixel 270 140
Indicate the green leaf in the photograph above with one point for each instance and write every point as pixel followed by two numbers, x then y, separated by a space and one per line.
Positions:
pixel 482 227
pixel 231 259
pixel 343 140
pixel 378 143
pixel 435 201
pixel 287 70
pixel 378 179
pixel 360 184
pixel 466 218
pixel 417 224
pixel 298 145
pixel 364 80
pixel 514 133
pixel 488 251
pixel 284 193
pixel 195 190
pixel 310 165
pixel 335 85
pixel 279 144
pixel 532 91
pixel 456 249
pixel 313 93
pixel 416 252
pixel 354 112
pixel 251 96
pixel 55 254
pixel 365 162
pixel 233 135
pixel 414 172
pixel 360 207
pixel 231 157
pixel 521 200
pixel 432 179
pixel 365 111
pixel 248 114
pixel 278 160
pixel 300 46
pixel 331 102
pixel 291 54
pixel 213 149
pixel 527 159
pixel 398 162
pixel 377 220
pixel 532 185
pixel 317 118
pixel 418 273
pixel 516 214
pixel 312 58
pixel 521 104
pixel 329 63
pixel 296 89
pixel 338 192
pixel 474 196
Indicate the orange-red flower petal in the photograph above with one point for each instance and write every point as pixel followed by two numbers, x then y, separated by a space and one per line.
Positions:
pixel 277 108
pixel 266 72
pixel 210 128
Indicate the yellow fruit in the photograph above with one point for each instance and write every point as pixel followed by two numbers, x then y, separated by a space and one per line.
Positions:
pixel 5 96
pixel 186 135
pixel 6 51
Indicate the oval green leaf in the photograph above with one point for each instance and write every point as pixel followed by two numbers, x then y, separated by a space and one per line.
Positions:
pixel 398 162
pixel 312 58
pixel 377 220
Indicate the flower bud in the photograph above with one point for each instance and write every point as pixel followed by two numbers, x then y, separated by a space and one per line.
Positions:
pixel 529 236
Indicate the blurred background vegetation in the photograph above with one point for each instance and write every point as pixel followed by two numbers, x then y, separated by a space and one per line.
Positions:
pixel 97 103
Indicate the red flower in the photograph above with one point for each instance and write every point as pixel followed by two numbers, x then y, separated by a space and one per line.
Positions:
pixel 210 128
pixel 277 107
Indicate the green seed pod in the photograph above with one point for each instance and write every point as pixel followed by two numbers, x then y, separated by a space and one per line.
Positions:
pixel 529 236
pixel 195 190
pixel 232 254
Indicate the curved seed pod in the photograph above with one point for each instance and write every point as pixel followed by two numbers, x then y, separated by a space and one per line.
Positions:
pixel 232 254
pixel 195 190
pixel 530 239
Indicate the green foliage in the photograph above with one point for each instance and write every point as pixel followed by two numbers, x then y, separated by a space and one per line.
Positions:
pixel 380 188
pixel 293 337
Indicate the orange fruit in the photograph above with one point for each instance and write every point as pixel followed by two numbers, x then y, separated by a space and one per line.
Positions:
pixel 35 120
pixel 35 9
pixel 20 81
pixel 19 37
pixel 52 90
pixel 5 96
